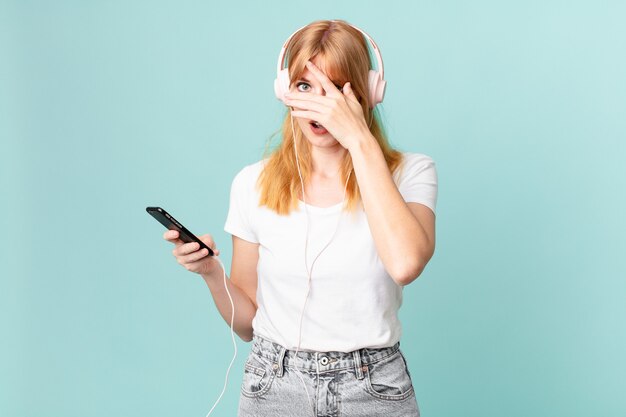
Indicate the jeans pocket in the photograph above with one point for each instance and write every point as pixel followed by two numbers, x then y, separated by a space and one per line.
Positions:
pixel 258 375
pixel 389 379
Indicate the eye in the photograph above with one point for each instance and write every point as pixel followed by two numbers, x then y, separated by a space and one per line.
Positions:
pixel 303 84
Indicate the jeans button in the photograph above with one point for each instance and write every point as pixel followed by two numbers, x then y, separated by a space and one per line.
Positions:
pixel 324 361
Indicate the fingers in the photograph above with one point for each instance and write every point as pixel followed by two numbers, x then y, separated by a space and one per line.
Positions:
pixel 173 237
pixel 192 257
pixel 327 84
pixel 189 248
pixel 189 253
pixel 306 104
pixel 321 101
pixel 307 115
pixel 170 234
pixel 347 90
pixel 186 249
pixel 208 240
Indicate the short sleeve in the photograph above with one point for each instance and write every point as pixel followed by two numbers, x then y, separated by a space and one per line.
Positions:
pixel 238 221
pixel 417 181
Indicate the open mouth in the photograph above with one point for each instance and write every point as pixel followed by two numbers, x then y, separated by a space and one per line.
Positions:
pixel 315 124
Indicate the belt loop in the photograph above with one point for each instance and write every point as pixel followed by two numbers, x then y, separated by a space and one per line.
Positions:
pixel 281 362
pixel 357 364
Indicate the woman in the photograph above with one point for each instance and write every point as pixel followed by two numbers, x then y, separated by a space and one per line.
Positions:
pixel 335 196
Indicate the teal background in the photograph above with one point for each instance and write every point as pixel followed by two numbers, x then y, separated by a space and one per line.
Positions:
pixel 108 107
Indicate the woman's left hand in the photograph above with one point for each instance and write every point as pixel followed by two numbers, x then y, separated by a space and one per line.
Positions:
pixel 340 113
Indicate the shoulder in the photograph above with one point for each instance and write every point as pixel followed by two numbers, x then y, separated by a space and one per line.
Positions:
pixel 415 158
pixel 414 163
pixel 416 179
pixel 252 170
pixel 248 175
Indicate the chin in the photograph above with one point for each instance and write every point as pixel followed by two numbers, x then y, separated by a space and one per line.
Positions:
pixel 326 141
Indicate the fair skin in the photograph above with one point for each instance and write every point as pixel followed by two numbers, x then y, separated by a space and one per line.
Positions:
pixel 404 233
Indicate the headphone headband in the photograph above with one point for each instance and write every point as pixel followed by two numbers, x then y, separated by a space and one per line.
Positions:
pixel 379 58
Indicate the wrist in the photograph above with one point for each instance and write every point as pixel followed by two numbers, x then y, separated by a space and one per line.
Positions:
pixel 361 141
pixel 212 276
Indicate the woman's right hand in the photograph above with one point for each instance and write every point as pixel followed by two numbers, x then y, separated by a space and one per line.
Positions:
pixel 190 256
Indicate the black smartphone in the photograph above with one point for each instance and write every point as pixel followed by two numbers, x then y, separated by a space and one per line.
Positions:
pixel 171 223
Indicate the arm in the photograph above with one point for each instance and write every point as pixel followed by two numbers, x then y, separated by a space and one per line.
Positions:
pixel 242 286
pixel 404 233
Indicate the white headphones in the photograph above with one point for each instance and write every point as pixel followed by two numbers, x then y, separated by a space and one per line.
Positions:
pixel 376 81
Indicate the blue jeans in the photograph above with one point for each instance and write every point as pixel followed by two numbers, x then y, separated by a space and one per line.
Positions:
pixel 366 382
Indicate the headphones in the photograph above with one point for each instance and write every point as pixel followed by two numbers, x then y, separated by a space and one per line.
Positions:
pixel 376 81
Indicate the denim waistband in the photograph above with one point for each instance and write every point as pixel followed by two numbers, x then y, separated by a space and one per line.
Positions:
pixel 310 361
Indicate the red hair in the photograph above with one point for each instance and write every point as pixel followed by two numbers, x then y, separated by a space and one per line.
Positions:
pixel 343 49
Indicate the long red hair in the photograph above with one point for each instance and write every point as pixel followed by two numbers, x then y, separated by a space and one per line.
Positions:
pixel 346 58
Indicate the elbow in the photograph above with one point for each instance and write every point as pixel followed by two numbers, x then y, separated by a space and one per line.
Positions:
pixel 244 328
pixel 245 334
pixel 407 272
pixel 410 268
pixel 245 337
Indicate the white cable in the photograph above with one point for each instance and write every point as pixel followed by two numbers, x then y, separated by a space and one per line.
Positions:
pixel 306 264
pixel 309 272
pixel 232 335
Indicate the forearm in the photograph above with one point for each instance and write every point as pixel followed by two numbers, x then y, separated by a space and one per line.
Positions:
pixel 245 309
pixel 400 239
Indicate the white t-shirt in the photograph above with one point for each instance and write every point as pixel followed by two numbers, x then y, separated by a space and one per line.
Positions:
pixel 353 302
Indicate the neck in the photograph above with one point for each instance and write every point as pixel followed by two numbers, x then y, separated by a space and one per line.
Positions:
pixel 326 162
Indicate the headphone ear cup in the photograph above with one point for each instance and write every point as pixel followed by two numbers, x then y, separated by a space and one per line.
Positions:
pixel 281 84
pixel 376 88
